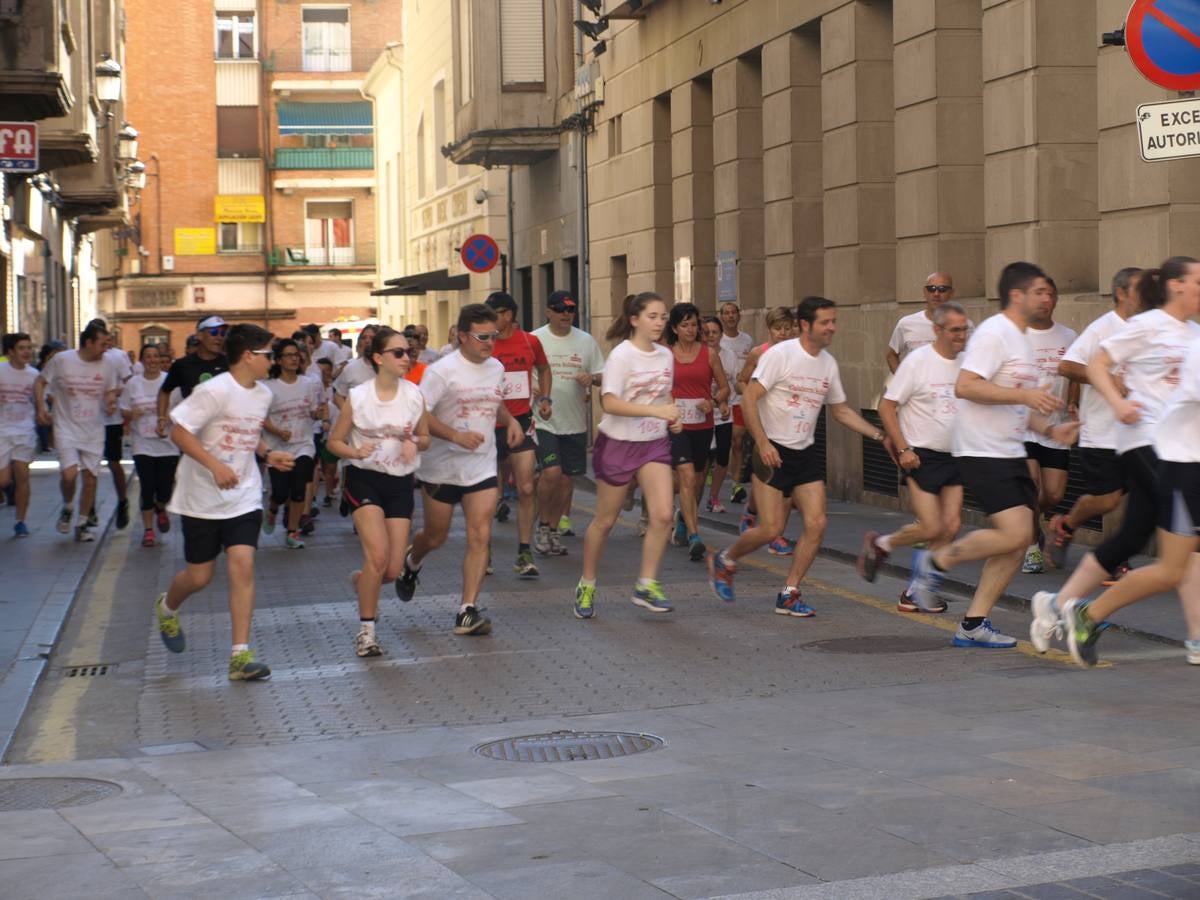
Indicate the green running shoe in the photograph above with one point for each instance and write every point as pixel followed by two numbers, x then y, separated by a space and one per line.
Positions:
pixel 651 597
pixel 525 566
pixel 169 628
pixel 584 595
pixel 1082 633
pixel 564 527
pixel 242 667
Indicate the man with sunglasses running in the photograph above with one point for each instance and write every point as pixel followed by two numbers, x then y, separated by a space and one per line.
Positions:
pixel 521 354
pixel 916 330
pixel 193 369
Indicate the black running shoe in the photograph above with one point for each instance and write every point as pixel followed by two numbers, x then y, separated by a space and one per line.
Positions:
pixel 472 621
pixel 122 513
pixel 406 584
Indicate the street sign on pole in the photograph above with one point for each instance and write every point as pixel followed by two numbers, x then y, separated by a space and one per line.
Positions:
pixel 1163 41
pixel 479 253
pixel 18 147
pixel 1169 130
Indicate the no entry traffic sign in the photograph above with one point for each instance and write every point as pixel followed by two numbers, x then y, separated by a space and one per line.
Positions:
pixel 479 253
pixel 1163 40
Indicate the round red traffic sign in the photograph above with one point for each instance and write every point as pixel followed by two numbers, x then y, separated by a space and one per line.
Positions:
pixel 479 253
pixel 1163 41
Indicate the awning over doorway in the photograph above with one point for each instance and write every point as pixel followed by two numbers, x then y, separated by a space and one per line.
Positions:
pixel 325 118
pixel 437 280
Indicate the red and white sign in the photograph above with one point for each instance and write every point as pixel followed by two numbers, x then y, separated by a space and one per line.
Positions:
pixel 18 147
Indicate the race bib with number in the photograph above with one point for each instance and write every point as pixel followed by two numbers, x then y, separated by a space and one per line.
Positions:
pixel 515 385
pixel 692 412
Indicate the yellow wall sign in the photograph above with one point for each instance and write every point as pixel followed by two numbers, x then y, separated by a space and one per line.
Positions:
pixel 195 241
pixel 239 208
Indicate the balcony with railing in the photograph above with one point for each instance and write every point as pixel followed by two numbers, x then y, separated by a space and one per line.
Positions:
pixel 299 257
pixel 324 158
pixel 322 59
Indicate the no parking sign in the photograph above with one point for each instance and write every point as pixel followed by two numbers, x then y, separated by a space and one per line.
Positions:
pixel 1162 38
pixel 479 253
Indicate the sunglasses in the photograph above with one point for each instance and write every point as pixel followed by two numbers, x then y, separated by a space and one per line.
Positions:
pixel 218 330
pixel 938 288
pixel 400 352
pixel 562 309
pixel 485 337
pixel 958 329
pixel 265 352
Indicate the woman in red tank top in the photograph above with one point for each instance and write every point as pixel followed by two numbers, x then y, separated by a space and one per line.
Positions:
pixel 696 368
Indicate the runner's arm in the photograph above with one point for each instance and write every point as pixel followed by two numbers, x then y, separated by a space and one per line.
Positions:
pixel 844 415
pixel 743 378
pixel 893 360
pixel 718 370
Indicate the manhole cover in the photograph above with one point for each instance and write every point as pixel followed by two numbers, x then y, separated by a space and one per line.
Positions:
pixel 51 793
pixel 566 746
pixel 880 644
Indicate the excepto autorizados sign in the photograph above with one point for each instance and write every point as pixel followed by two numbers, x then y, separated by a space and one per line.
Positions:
pixel 1169 130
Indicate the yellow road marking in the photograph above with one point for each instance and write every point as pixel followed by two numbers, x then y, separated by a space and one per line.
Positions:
pixel 57 736
pixel 885 606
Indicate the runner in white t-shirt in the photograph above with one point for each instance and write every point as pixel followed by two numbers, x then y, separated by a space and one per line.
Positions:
pixel 918 412
pixel 1150 350
pixel 327 462
pixel 218 491
pixel 114 431
pixel 782 403
pixel 576 363
pixel 916 329
pixel 632 444
pixel 154 458
pixel 18 433
pixel 380 433
pixel 997 388
pixel 1097 454
pixel 1048 460
pixel 358 370
pixel 464 395
pixel 295 408
pixel 739 343
pixel 711 333
pixel 85 389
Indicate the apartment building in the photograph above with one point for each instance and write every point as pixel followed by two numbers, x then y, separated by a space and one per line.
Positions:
pixel 61 69
pixel 475 136
pixel 259 203
pixel 760 151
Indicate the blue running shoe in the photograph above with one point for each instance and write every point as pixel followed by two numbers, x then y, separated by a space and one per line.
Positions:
pixel 680 536
pixel 720 576
pixel 925 582
pixel 789 603
pixel 748 521
pixel 651 597
pixel 20 530
pixel 781 546
pixel 985 636
pixel 585 598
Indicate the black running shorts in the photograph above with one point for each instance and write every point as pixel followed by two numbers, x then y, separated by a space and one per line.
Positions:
pixel 937 470
pixel 391 493
pixel 204 539
pixel 998 484
pixel 796 467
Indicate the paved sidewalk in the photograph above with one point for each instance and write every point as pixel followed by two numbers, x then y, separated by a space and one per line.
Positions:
pixel 855 754
pixel 40 574
pixel 1158 617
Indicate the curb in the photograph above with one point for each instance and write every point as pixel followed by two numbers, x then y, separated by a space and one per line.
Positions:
pixel 965 588
pixel 29 666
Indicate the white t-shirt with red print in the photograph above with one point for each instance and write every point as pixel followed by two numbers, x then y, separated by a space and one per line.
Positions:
pixel 466 396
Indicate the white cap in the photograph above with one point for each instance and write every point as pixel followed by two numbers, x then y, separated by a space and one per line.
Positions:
pixel 211 322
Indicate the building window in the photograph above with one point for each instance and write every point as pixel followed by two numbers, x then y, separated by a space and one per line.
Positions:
pixel 240 237
pixel 522 44
pixel 439 135
pixel 326 37
pixel 236 36
pixel 421 157
pixel 237 131
pixel 324 141
pixel 614 135
pixel 155 335
pixel 329 233
pixel 464 51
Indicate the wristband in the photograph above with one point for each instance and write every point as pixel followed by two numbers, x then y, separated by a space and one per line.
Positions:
pixel 905 450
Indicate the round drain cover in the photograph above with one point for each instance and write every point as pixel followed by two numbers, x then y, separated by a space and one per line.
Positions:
pixel 567 746
pixel 51 793
pixel 880 644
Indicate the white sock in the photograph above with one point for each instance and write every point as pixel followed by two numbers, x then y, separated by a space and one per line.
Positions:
pixel 587 582
pixel 465 607
pixel 884 543
pixel 787 588
pixel 166 609
pixel 409 563
pixel 238 648
pixel 643 583
pixel 368 627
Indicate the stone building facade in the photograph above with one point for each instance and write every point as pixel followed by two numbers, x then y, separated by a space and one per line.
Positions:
pixel 850 148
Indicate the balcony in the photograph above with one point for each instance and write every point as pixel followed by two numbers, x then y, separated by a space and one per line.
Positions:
pixel 299 257
pixel 322 59
pixel 325 158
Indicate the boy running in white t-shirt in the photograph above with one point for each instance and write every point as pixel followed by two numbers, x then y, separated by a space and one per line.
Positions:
pixel 18 436
pixel 218 490
pixel 85 388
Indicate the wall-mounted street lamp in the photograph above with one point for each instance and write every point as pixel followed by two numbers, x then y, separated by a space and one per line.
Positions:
pixel 127 143
pixel 135 175
pixel 108 86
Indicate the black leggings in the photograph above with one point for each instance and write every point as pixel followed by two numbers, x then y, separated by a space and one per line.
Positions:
pixel 724 435
pixel 291 485
pixel 156 475
pixel 1139 468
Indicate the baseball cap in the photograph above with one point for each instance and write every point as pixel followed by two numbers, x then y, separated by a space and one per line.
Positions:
pixel 211 322
pixel 501 300
pixel 561 301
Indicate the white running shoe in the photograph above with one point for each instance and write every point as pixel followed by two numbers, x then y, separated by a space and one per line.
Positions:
pixel 1045 626
pixel 366 644
pixel 1193 652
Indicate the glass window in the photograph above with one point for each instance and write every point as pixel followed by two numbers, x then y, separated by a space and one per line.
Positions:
pixel 329 233
pixel 326 37
pixel 240 237
pixel 236 38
